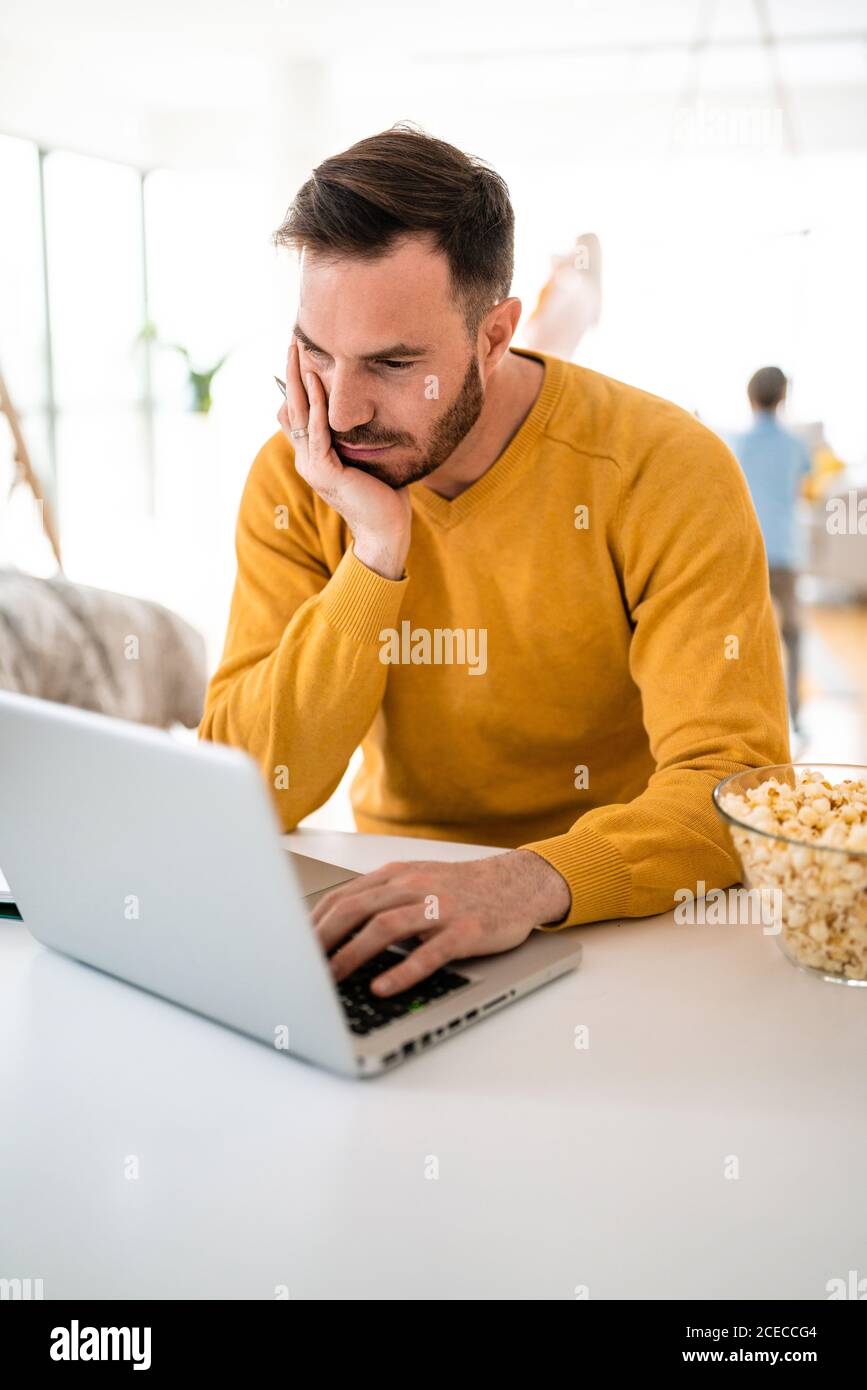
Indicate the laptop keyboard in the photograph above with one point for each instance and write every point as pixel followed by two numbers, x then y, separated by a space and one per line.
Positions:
pixel 366 1011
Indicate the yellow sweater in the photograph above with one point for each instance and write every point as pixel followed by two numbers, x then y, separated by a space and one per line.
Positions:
pixel 582 646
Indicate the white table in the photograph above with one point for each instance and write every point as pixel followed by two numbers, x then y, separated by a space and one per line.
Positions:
pixel 558 1167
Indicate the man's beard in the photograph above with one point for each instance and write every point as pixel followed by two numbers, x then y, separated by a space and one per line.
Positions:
pixel 453 425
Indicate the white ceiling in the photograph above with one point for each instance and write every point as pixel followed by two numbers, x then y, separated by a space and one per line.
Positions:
pixel 300 29
pixel 209 81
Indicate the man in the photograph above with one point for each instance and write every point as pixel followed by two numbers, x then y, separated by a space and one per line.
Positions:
pixel 775 463
pixel 535 596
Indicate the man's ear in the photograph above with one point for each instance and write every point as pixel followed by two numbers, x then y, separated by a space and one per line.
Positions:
pixel 498 329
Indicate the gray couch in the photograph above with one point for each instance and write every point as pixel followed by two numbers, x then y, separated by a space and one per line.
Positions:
pixel 102 651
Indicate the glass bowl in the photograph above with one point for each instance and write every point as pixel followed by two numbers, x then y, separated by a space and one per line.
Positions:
pixel 807 856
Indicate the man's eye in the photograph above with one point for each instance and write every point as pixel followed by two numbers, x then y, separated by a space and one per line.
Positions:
pixel 392 365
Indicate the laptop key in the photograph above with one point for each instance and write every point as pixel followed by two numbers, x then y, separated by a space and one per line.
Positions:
pixel 366 1012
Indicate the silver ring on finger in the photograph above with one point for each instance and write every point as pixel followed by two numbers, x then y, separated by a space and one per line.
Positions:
pixel 298 434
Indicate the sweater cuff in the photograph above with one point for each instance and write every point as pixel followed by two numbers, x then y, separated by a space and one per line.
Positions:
pixel 596 872
pixel 359 602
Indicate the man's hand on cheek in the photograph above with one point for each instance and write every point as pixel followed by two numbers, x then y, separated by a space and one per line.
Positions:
pixel 456 910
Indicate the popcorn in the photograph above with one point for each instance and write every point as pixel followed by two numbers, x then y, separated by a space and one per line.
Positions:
pixel 823 876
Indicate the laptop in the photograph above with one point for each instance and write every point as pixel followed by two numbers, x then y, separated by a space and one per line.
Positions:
pixel 160 862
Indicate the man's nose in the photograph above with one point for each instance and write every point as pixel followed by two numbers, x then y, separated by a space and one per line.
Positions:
pixel 349 402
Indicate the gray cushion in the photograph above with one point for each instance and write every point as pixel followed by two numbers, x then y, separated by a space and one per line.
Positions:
pixel 101 651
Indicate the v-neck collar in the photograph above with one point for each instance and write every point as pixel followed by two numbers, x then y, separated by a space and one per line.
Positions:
pixel 447 513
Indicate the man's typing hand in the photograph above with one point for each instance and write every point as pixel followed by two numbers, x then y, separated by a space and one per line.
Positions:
pixel 455 910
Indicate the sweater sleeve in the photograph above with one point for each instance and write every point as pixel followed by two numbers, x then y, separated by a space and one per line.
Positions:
pixel 705 655
pixel 300 678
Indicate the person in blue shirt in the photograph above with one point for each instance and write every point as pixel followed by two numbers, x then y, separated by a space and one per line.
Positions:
pixel 774 463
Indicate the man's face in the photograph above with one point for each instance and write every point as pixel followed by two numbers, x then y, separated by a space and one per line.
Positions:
pixel 391 349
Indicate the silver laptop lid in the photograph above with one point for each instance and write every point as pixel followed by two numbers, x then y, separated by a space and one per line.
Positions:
pixel 160 862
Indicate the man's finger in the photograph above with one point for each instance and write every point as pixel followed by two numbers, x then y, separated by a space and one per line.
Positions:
pixel 386 928
pixel 297 404
pixel 351 912
pixel 425 960
pixel 324 469
pixel 354 885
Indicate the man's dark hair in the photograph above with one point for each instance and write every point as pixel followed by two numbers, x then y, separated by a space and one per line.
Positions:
pixel 767 388
pixel 404 182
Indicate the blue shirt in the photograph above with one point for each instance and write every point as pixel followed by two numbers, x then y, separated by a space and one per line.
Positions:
pixel 773 462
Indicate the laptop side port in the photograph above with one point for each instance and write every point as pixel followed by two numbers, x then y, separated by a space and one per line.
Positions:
pixel 492 1003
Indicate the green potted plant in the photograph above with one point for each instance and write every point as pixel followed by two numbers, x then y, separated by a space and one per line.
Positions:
pixel 199 381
